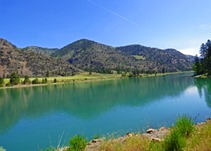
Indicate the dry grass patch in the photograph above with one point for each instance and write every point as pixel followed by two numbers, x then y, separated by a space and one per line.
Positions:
pixel 134 143
pixel 200 139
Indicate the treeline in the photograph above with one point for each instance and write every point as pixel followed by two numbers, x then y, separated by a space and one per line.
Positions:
pixel 203 63
pixel 125 72
pixel 15 79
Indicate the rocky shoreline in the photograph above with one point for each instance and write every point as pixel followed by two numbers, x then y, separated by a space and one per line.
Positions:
pixel 156 135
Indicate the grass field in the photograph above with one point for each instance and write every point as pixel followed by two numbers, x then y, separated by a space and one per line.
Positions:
pixel 85 76
pixel 81 77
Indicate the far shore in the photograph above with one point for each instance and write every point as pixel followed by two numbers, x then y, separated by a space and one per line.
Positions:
pixel 82 77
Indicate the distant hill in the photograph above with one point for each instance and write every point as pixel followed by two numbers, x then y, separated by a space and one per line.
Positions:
pixel 89 54
pixel 170 57
pixel 41 50
pixel 86 54
pixel 30 63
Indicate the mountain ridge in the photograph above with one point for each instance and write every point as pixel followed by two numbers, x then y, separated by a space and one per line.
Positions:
pixel 85 54
pixel 13 59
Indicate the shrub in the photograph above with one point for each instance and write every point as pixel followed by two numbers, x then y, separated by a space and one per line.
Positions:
pixel 185 125
pixel 8 84
pixel 1 82
pixel 174 142
pixel 78 143
pixel 26 80
pixel 2 149
pixel 49 149
pixel 14 79
pixel 54 81
pixel 97 136
pixel 44 80
pixel 35 81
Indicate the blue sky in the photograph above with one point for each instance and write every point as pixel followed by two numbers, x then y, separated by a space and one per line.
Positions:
pixel 179 24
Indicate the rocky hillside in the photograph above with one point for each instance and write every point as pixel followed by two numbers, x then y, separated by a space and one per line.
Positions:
pixel 89 54
pixel 171 57
pixel 30 63
pixel 41 50
pixel 86 54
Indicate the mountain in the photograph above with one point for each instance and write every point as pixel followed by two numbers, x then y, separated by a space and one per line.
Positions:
pixel 86 54
pixel 41 50
pixel 13 59
pixel 175 60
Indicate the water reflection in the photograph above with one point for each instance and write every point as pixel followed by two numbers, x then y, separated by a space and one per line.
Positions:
pixel 89 100
pixel 204 89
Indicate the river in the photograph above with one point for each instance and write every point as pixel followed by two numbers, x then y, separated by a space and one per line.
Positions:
pixel 35 118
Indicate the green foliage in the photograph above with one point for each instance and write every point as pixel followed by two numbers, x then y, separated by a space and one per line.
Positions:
pixel 47 74
pixel 78 143
pixel 14 78
pixel 35 81
pixel 1 82
pixel 97 136
pixel 49 149
pixel 26 80
pixel 8 84
pixel 203 65
pixel 124 74
pixel 44 80
pixel 2 149
pixel 184 125
pixel 54 81
pixel 174 142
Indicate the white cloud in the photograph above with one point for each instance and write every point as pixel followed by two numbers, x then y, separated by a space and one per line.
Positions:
pixel 190 51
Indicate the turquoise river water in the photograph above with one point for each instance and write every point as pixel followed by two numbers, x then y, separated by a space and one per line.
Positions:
pixel 35 118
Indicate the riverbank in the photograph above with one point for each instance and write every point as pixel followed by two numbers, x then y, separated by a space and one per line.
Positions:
pixel 82 77
pixel 155 139
pixel 202 76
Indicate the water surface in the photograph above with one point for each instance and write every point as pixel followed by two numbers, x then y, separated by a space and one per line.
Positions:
pixel 37 117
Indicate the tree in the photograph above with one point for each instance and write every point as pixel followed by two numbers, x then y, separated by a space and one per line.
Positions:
pixel 26 80
pixel 47 74
pixel 35 81
pixel 163 70
pixel 197 66
pixel 44 80
pixel 1 82
pixel 203 66
pixel 14 78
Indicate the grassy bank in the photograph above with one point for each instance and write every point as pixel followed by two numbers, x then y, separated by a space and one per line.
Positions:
pixel 81 77
pixel 183 136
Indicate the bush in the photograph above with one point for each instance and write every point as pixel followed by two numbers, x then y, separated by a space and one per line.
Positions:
pixel 1 82
pixel 97 136
pixel 49 149
pixel 44 80
pixel 54 81
pixel 2 149
pixel 78 143
pixel 8 84
pixel 185 125
pixel 174 142
pixel 26 80
pixel 35 81
pixel 14 79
